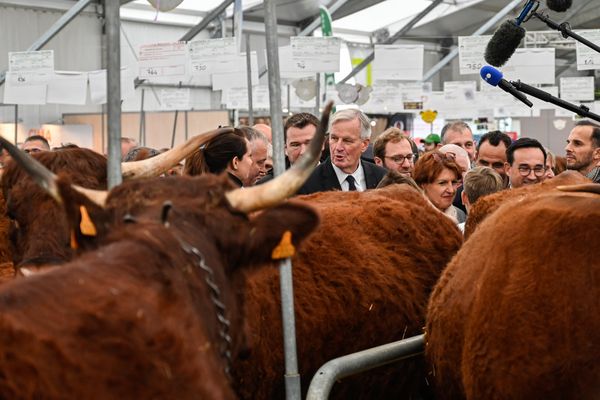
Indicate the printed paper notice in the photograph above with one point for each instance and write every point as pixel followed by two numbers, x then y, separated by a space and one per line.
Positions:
pixel 213 55
pixel 471 50
pixel 67 88
pixel 26 88
pixel 398 62
pixel 174 99
pixel 239 78
pixel 316 54
pixel 531 66
pixel 588 58
pixel 27 61
pixel 577 88
pixel 162 59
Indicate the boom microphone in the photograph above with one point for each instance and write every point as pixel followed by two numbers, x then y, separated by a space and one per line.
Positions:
pixel 507 38
pixel 494 77
pixel 559 5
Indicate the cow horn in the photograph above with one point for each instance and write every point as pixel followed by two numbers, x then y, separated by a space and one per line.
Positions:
pixel 98 197
pixel 585 187
pixel 273 192
pixel 161 163
pixel 43 177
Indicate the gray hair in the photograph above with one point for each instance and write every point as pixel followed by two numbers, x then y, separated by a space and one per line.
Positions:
pixel 350 114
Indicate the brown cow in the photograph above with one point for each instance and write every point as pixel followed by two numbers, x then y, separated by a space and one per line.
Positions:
pixel 515 314
pixel 361 280
pixel 155 311
pixel 39 231
pixel 488 204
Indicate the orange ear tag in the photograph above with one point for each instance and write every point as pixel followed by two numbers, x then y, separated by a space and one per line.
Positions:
pixel 86 226
pixel 285 248
pixel 74 244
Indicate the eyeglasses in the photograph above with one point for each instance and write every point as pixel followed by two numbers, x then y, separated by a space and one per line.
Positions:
pixel 399 159
pixel 538 170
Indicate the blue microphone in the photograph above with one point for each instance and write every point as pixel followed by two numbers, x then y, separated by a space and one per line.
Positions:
pixel 495 78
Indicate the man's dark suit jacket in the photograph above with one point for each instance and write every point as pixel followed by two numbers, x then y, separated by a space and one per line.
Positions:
pixel 323 178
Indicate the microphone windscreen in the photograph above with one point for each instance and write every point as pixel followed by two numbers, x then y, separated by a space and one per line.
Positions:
pixel 503 43
pixel 559 5
pixel 491 75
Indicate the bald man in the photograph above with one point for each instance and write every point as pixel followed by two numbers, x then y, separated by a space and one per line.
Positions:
pixel 265 130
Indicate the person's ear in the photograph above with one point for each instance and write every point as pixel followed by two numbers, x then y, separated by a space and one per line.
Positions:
pixel 465 199
pixel 235 162
pixel 596 155
pixel 378 161
pixel 365 144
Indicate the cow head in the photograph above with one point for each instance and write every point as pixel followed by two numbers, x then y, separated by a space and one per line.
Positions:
pixel 40 231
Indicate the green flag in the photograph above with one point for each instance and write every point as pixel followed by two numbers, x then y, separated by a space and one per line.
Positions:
pixel 327 31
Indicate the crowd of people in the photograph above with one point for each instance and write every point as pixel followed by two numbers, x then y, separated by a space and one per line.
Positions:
pixel 451 169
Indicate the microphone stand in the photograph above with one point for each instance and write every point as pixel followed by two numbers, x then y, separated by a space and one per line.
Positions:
pixel 547 97
pixel 565 29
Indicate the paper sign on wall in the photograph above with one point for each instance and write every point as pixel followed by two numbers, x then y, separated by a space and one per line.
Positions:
pixel 162 59
pixel 174 99
pixel 577 88
pixel 398 62
pixel 213 55
pixel 315 54
pixel 39 61
pixel 471 50
pixel 531 66
pixel 67 88
pixel 588 58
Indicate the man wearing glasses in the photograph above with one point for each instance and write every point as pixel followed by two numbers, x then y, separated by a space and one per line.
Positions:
pixel 393 151
pixel 35 144
pixel 526 162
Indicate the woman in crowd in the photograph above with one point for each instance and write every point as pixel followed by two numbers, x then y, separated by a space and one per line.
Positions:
pixel 439 176
pixel 229 152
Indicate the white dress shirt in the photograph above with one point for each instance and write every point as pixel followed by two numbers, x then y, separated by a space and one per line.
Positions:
pixel 358 175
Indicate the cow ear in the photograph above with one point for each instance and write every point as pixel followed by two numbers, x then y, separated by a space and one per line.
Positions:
pixel 273 230
pixel 87 220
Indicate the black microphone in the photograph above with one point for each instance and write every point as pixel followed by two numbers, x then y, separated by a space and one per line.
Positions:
pixel 559 5
pixel 507 37
pixel 547 97
pixel 494 77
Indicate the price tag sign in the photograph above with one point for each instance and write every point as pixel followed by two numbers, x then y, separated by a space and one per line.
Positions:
pixel 315 54
pixel 29 61
pixel 213 56
pixel 577 88
pixel 398 62
pixel 588 58
pixel 471 50
pixel 162 59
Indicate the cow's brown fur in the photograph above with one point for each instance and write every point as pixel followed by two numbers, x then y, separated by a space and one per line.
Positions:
pixel 488 204
pixel 40 233
pixel 134 318
pixel 515 314
pixel 362 279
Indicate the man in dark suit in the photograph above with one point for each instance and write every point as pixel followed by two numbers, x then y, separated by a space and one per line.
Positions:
pixel 344 170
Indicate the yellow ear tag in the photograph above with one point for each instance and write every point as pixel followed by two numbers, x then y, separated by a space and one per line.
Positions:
pixel 285 248
pixel 86 226
pixel 74 244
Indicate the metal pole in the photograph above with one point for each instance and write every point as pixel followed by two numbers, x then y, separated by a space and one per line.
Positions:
pixel 352 364
pixel 16 123
pixel 274 87
pixel 186 126
pixel 393 39
pixel 55 28
pixel 289 99
pixel 142 118
pixel 483 29
pixel 292 378
pixel 318 92
pixel 249 76
pixel 174 129
pixel 111 10
pixel 213 14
